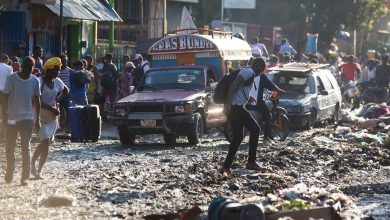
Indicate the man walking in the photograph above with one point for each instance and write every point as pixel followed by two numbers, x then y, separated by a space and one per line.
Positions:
pixel 239 117
pixel 5 71
pixel 19 117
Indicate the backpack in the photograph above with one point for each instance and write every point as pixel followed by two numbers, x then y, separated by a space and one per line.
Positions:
pixel 222 89
pixel 110 77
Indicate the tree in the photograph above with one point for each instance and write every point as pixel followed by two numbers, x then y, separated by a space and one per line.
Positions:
pixel 326 16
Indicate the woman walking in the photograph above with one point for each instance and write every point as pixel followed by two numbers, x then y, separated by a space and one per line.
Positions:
pixel 52 90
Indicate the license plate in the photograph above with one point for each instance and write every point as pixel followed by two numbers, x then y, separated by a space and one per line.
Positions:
pixel 148 123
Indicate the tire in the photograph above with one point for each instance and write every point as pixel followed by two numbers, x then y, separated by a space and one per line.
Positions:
pixel 312 119
pixel 169 139
pixel 281 127
pixel 196 135
pixel 125 137
pixel 228 131
pixel 335 117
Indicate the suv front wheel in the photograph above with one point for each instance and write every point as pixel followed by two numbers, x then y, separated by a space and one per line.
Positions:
pixel 196 134
pixel 125 136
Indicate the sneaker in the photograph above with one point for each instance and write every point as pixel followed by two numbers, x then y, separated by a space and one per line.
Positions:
pixel 254 166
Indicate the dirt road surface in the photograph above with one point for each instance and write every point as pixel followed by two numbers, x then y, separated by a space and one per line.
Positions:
pixel 105 180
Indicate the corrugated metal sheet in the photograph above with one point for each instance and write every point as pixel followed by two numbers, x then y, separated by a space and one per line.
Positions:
pixel 12 30
pixel 86 10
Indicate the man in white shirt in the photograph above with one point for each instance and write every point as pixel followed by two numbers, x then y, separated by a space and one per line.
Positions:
pixel 258 49
pixel 5 71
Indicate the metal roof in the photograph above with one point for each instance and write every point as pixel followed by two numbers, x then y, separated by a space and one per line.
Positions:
pixel 298 67
pixel 86 10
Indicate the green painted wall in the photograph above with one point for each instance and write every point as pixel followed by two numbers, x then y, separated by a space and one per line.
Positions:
pixel 74 33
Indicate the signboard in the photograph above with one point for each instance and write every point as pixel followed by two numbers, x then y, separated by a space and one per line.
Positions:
pixel 189 1
pixel 43 2
pixel 242 4
pixel 182 43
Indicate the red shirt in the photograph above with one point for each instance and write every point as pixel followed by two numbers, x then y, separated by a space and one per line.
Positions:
pixel 349 70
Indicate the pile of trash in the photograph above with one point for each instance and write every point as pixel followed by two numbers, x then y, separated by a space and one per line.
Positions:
pixel 367 126
pixel 299 200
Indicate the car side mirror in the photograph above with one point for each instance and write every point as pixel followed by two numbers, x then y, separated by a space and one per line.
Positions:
pixel 324 92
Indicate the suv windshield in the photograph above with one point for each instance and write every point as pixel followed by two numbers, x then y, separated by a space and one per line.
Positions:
pixel 293 82
pixel 187 79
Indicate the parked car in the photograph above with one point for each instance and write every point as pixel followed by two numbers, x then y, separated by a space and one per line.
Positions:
pixel 173 101
pixel 313 94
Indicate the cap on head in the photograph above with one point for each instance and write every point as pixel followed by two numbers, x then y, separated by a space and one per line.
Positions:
pixel 129 65
pixel 51 63
pixel 137 56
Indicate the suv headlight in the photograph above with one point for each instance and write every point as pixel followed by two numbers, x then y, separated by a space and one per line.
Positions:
pixel 294 108
pixel 186 107
pixel 120 111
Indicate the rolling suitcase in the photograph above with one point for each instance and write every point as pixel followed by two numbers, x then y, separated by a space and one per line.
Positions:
pixel 91 123
pixel 76 123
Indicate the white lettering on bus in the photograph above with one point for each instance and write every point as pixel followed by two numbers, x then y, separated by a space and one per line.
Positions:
pixel 183 43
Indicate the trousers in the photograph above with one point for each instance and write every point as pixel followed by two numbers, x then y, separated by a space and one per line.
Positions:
pixel 239 118
pixel 25 129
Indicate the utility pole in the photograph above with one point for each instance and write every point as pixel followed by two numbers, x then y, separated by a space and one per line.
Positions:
pixel 222 9
pixel 141 33
pixel 61 26
pixel 111 31
pixel 164 17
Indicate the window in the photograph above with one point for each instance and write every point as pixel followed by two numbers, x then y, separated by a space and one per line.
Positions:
pixel 175 79
pixel 130 10
pixel 326 83
pixel 293 82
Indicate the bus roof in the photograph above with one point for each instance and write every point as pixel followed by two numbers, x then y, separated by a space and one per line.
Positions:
pixel 218 45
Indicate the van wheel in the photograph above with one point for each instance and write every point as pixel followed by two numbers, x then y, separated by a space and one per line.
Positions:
pixel 312 119
pixel 169 139
pixel 196 135
pixel 125 136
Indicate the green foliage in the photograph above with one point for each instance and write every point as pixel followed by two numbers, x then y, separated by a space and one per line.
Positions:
pixel 295 203
pixel 327 16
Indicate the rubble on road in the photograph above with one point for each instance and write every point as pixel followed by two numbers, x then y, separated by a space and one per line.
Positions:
pixel 316 168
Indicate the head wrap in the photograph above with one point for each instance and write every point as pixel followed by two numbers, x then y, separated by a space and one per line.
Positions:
pixel 51 63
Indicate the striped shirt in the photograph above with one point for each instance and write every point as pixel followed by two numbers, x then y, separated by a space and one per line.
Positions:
pixel 65 75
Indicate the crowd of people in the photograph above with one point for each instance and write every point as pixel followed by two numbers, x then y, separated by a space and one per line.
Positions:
pixel 32 92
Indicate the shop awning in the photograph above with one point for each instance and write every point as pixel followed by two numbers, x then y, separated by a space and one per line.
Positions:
pixel 86 10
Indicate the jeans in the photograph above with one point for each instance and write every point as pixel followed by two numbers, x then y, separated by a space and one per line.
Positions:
pixel 239 118
pixel 25 129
